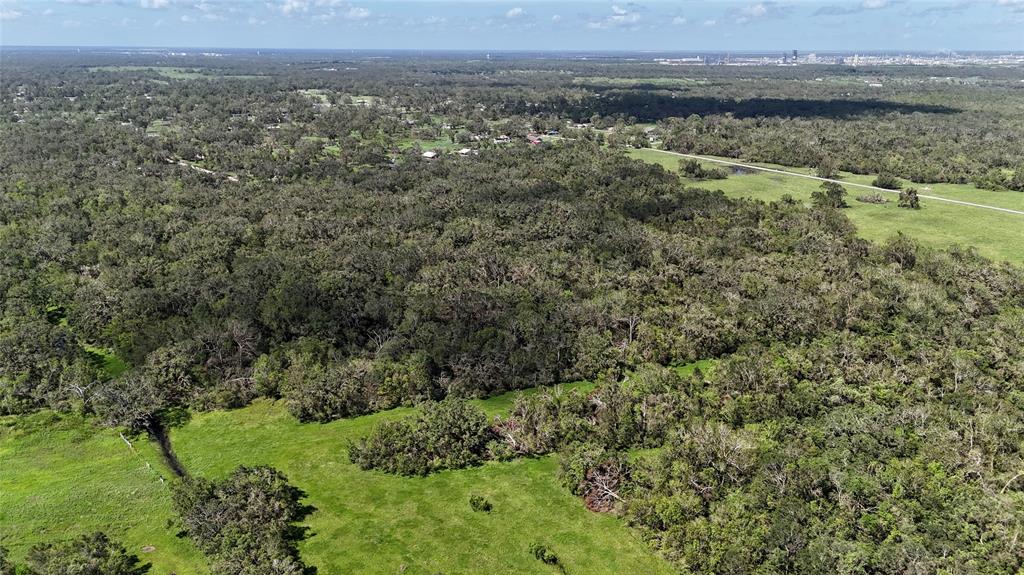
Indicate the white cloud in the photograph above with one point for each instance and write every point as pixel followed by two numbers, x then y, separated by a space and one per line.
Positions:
pixel 154 4
pixel 875 4
pixel 620 18
pixel 556 18
pixel 514 13
pixel 10 14
pixel 186 18
pixel 710 23
pixel 754 10
pixel 322 10
pixel 762 10
pixel 679 20
pixel 1013 5
pixel 356 13
pixel 289 7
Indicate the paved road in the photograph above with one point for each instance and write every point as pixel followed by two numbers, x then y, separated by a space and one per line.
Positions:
pixel 847 184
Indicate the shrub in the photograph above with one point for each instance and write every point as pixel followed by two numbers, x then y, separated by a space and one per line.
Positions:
pixel 1016 183
pixel 694 169
pixel 887 181
pixel 542 422
pixel 909 199
pixel 872 199
pixel 595 474
pixel 407 382
pixel 324 392
pixel 994 179
pixel 543 554
pixel 480 503
pixel 93 554
pixel 450 434
pixel 244 523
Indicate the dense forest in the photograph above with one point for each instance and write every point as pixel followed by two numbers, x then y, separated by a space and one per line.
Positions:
pixel 195 241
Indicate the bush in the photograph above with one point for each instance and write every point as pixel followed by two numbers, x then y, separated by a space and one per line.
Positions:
pixel 694 169
pixel 909 199
pixel 480 503
pixel 93 554
pixel 994 179
pixel 542 422
pixel 450 434
pixel 887 181
pixel 325 392
pixel 244 523
pixel 407 382
pixel 322 391
pixel 543 554
pixel 872 199
pixel 595 474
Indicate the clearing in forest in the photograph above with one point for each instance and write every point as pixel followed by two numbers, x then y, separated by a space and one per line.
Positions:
pixel 996 235
pixel 64 476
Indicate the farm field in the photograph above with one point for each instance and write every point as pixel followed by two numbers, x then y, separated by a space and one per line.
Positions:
pixel 365 522
pixel 996 235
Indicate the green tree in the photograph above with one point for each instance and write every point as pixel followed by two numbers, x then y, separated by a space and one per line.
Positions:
pixel 831 195
pixel 826 168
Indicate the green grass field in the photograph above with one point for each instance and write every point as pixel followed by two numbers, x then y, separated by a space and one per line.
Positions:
pixel 996 235
pixel 63 476
pixel 444 144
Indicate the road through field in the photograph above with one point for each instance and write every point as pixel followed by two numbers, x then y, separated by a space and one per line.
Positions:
pixel 848 184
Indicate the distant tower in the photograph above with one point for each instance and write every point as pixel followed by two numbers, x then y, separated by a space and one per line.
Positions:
pixel 794 55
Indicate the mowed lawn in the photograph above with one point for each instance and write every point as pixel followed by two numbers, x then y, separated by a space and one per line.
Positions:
pixel 67 476
pixel 996 235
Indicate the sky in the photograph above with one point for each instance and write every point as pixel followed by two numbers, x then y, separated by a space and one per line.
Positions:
pixel 847 25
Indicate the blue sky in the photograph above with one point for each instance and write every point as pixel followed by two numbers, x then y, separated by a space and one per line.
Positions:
pixel 523 24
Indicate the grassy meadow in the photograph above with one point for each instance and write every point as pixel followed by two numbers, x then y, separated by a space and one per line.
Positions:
pixel 996 235
pixel 64 475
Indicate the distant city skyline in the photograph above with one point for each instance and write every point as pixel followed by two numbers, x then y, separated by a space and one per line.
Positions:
pixel 876 25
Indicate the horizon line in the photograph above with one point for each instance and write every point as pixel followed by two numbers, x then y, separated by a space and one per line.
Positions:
pixel 526 50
